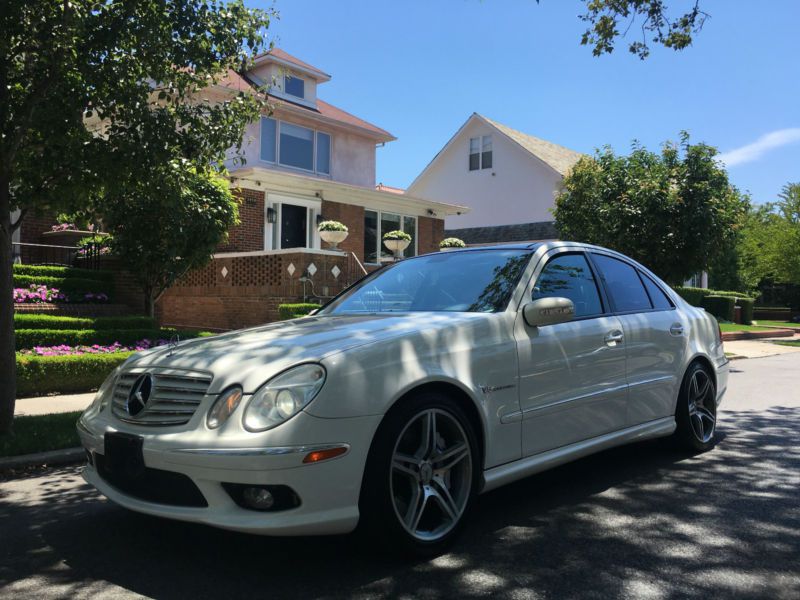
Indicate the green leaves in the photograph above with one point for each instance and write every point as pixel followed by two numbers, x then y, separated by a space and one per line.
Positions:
pixel 674 211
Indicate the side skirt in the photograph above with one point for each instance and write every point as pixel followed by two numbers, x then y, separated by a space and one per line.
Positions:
pixel 503 474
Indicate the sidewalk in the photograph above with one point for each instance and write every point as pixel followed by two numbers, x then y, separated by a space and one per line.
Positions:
pixel 47 405
pixel 761 348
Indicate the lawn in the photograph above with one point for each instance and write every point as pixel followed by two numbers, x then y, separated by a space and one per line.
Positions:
pixel 728 327
pixel 39 433
pixel 780 324
pixel 795 343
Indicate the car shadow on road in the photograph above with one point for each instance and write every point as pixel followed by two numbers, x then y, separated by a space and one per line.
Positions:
pixel 641 520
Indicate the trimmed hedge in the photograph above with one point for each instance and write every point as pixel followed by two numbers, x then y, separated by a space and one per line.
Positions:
pixel 28 338
pixel 63 272
pixel 293 311
pixel 66 285
pixel 37 375
pixel 43 321
pixel 722 307
pixel 695 295
pixel 747 305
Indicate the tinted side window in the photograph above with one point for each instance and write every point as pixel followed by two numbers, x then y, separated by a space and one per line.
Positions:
pixel 623 283
pixel 657 297
pixel 569 276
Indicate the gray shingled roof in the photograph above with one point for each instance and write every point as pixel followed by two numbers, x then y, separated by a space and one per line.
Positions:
pixel 558 157
pixel 498 234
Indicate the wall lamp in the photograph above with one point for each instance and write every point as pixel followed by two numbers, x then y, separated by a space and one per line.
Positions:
pixel 272 215
pixel 320 219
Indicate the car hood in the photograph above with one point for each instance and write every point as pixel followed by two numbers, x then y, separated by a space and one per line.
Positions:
pixel 249 357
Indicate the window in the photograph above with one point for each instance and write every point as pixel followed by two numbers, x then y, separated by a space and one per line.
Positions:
pixel 480 153
pixel 436 282
pixel 474 154
pixel 323 153
pixel 569 276
pixel 294 86
pixel 378 223
pixel 623 284
pixel 486 152
pixel 658 298
pixel 294 146
pixel 269 136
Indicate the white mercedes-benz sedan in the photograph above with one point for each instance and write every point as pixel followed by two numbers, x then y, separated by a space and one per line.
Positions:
pixel 429 381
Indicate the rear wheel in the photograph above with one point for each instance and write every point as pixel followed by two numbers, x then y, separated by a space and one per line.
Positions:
pixel 421 475
pixel 696 411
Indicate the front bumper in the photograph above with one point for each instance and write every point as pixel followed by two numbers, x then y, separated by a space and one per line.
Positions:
pixel 328 490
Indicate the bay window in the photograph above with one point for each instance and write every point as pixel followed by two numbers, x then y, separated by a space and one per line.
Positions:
pixel 294 146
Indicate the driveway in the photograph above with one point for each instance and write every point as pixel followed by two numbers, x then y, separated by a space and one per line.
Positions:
pixel 636 522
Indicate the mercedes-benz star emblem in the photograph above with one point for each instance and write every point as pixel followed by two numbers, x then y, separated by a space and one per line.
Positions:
pixel 139 394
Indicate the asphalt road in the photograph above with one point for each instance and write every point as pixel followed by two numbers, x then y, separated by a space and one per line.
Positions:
pixel 637 522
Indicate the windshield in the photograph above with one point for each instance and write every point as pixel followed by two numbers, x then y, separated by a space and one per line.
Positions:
pixel 473 281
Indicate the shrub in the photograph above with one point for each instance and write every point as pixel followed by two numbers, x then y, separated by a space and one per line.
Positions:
pixel 396 235
pixel 722 307
pixel 37 294
pixel 747 305
pixel 332 226
pixel 452 242
pixel 66 285
pixel 695 295
pixel 30 338
pixel 37 375
pixel 39 321
pixel 293 311
pixel 40 433
pixel 64 272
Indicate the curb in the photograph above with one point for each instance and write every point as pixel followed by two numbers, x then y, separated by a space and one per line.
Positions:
pixel 733 336
pixel 53 457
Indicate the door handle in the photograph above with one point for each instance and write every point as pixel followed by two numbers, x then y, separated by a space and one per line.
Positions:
pixel 614 338
pixel 676 329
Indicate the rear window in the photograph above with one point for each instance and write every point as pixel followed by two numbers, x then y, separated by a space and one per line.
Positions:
pixel 659 299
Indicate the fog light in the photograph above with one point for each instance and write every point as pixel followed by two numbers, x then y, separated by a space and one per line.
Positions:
pixel 258 498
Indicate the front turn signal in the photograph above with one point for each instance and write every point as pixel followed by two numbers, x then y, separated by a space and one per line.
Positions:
pixel 328 453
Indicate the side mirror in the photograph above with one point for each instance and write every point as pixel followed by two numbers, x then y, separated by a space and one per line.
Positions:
pixel 548 311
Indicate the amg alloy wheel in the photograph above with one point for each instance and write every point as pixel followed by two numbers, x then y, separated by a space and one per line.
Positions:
pixel 696 412
pixel 421 475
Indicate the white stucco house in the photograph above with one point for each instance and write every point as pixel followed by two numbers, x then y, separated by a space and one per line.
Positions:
pixel 507 178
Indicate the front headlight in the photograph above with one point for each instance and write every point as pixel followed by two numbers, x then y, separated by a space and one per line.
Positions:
pixel 283 397
pixel 102 397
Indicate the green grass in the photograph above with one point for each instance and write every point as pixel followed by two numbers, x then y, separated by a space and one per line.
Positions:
pixel 793 343
pixel 728 327
pixel 40 433
pixel 780 324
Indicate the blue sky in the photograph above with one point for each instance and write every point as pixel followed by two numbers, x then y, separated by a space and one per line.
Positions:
pixel 420 68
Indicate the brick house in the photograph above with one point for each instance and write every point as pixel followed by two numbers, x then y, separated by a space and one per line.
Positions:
pixel 305 162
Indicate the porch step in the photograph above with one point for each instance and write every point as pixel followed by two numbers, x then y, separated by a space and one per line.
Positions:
pixel 76 310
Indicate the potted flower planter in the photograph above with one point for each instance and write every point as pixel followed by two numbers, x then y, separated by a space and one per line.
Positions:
pixel 334 238
pixel 396 246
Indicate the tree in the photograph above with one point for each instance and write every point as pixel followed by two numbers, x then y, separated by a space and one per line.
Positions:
pixel 164 228
pixel 673 211
pixel 134 70
pixel 607 17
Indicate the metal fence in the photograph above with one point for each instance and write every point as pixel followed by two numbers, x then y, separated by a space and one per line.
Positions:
pixel 87 257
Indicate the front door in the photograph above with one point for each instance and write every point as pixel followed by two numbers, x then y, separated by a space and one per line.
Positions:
pixel 294 226
pixel 572 375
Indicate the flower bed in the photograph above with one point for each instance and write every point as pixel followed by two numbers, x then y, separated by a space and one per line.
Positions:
pixel 41 294
pixel 65 350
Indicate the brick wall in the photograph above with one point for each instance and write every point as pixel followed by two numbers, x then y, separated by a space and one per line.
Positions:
pixel 353 217
pixel 244 291
pixel 248 236
pixel 126 291
pixel 430 232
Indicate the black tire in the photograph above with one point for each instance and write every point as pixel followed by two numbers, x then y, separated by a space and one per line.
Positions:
pixel 380 519
pixel 696 410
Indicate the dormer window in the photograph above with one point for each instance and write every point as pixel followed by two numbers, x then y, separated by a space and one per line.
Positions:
pixel 480 153
pixel 294 146
pixel 294 86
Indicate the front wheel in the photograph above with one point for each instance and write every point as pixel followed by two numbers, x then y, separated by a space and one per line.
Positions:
pixel 696 412
pixel 421 475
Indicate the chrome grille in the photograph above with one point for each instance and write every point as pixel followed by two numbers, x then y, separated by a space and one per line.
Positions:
pixel 174 399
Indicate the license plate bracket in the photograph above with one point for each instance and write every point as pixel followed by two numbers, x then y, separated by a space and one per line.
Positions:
pixel 123 454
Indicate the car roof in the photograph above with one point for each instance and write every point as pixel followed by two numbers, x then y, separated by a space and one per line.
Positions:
pixel 531 246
